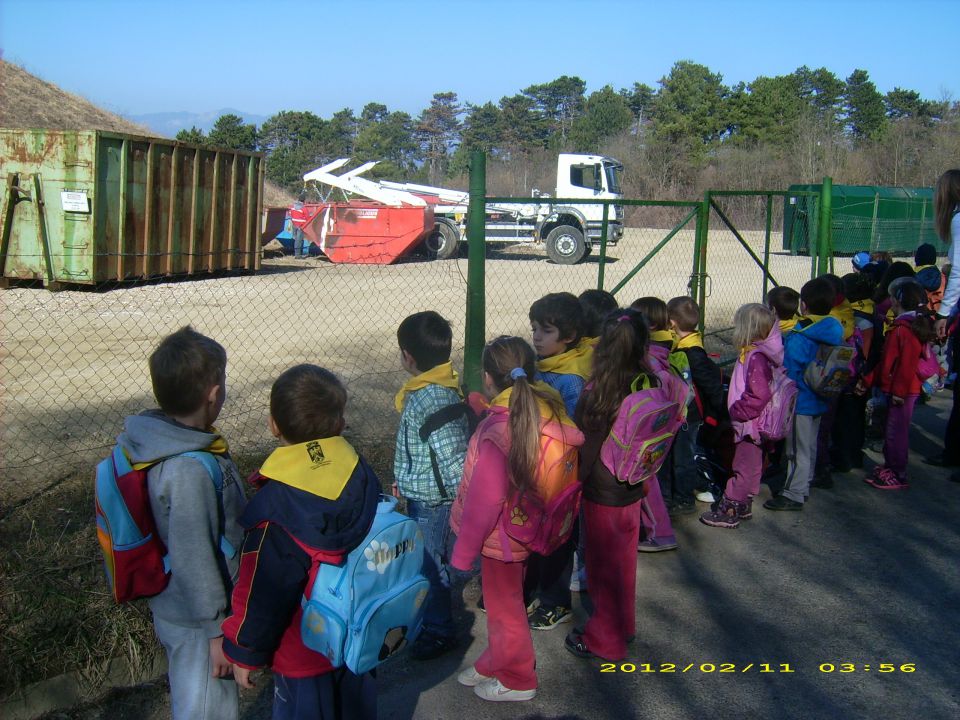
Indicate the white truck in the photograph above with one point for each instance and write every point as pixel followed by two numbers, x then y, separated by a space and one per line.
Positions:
pixel 568 230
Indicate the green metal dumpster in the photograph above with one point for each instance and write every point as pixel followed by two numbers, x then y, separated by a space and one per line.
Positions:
pixel 864 217
pixel 88 207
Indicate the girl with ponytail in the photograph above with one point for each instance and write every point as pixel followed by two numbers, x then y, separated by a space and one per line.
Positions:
pixel 503 461
pixel 611 509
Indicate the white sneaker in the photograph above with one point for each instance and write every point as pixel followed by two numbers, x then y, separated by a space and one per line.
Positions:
pixel 706 496
pixel 471 678
pixel 493 690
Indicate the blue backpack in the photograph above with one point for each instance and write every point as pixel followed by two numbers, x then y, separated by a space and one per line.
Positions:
pixel 360 613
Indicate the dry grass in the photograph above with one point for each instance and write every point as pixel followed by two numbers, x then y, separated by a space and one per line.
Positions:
pixel 26 101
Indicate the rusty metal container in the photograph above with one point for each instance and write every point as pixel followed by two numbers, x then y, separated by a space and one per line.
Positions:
pixel 88 207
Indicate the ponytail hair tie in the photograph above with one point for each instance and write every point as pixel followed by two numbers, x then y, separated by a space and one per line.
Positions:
pixel 623 318
pixel 518 372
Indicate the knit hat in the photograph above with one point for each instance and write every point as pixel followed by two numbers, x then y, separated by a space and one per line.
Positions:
pixel 860 260
pixel 926 254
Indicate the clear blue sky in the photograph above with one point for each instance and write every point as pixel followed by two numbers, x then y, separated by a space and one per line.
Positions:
pixel 143 56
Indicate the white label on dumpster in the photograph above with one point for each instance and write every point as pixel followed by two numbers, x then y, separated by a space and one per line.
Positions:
pixel 74 202
pixel 367 214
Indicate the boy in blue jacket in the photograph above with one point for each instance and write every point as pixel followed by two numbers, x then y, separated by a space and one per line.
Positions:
pixel 817 327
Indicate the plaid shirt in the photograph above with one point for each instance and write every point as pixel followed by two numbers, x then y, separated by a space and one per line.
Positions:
pixel 411 461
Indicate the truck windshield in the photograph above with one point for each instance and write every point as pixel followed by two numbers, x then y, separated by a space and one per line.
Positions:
pixel 613 177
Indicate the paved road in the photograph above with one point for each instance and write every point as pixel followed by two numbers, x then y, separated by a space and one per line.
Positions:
pixel 860 576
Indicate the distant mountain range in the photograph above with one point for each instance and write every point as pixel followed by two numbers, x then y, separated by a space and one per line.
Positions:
pixel 169 124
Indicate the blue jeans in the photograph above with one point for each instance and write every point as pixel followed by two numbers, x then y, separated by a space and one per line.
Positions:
pixel 337 695
pixel 434 523
pixel 301 248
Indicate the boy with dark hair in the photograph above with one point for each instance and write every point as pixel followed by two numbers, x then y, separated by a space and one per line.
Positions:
pixel 188 373
pixel 785 302
pixel 709 405
pixel 428 462
pixel 564 362
pixel 595 305
pixel 816 328
pixel 929 276
pixel 316 502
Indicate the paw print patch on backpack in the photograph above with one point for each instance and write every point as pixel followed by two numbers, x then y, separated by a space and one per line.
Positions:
pixel 517 517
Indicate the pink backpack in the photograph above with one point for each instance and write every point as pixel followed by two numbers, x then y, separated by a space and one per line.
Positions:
pixel 646 423
pixel 777 415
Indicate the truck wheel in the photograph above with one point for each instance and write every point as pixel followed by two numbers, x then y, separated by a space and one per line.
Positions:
pixel 565 245
pixel 443 242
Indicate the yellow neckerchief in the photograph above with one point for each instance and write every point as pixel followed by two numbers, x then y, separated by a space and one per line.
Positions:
pixel 575 361
pixel 888 321
pixel 663 336
pixel 812 318
pixel 591 341
pixel 217 447
pixel 692 340
pixel 867 306
pixel 546 412
pixel 788 325
pixel 844 314
pixel 918 268
pixel 746 350
pixel 443 375
pixel 320 467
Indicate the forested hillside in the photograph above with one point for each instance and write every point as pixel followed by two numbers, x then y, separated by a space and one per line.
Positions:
pixel 689 133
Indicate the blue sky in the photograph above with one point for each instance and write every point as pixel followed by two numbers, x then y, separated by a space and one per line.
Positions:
pixel 144 56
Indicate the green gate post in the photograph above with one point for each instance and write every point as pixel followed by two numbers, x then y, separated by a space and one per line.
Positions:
pixel 766 248
pixel 476 260
pixel 825 242
pixel 698 286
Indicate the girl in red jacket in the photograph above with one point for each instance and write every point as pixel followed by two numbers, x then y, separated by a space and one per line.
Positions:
pixel 502 459
pixel 905 348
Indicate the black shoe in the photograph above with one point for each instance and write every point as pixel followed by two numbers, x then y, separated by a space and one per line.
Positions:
pixel 429 646
pixel 574 643
pixel 782 502
pixel 823 480
pixel 682 507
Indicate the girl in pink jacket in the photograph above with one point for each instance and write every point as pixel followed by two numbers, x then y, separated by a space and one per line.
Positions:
pixel 756 333
pixel 502 459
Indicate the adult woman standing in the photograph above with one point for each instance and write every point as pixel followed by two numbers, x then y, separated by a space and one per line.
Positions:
pixel 946 210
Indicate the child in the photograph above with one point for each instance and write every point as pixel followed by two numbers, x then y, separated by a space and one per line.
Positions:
pixel 708 406
pixel 929 275
pixel 800 348
pixel 315 503
pixel 611 508
pixel 564 361
pixel 757 335
pixel 428 471
pixel 898 377
pixel 785 302
pixel 655 525
pixel 502 459
pixel 849 427
pixel 596 304
pixel 188 371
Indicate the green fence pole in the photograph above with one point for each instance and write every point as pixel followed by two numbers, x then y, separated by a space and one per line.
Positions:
pixel 826 217
pixel 766 248
pixel 476 259
pixel 699 288
pixel 603 244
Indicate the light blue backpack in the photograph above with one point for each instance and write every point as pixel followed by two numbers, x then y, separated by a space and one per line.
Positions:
pixel 360 613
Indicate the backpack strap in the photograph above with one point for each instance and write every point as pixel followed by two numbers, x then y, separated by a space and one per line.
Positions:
pixel 435 421
pixel 210 464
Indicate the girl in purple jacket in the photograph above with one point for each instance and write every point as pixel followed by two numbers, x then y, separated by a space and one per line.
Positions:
pixel 757 335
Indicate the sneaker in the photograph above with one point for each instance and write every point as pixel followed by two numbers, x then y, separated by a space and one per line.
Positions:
pixel 747 512
pixel 544 618
pixel 782 502
pixel 727 514
pixel 495 691
pixel 534 604
pixel 706 496
pixel 886 479
pixel 823 480
pixel 429 646
pixel 652 545
pixel 574 643
pixel 471 678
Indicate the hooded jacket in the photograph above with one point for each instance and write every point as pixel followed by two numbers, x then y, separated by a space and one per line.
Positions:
pixel 475 515
pixel 897 373
pixel 188 515
pixel 750 384
pixel 799 349
pixel 316 503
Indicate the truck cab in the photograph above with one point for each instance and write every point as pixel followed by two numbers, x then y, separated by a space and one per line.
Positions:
pixel 571 229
